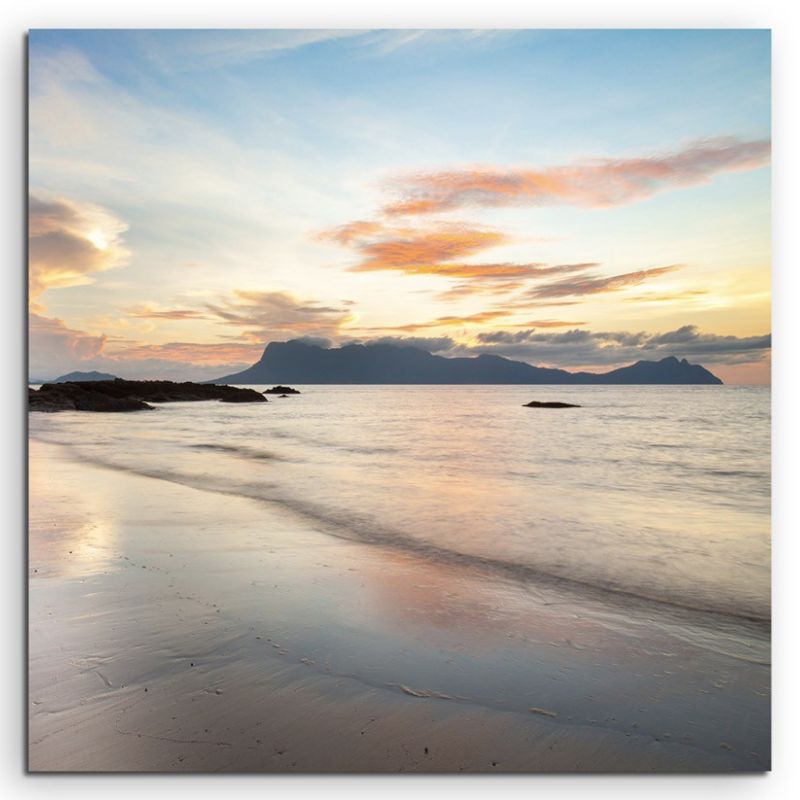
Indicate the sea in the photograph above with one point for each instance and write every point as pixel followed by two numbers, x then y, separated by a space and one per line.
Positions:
pixel 609 563
pixel 659 493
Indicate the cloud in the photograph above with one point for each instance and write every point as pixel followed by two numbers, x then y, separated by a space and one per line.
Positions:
pixel 711 345
pixel 212 49
pixel 206 354
pixel 581 348
pixel 449 320
pixel 669 297
pixel 191 50
pixel 265 315
pixel 431 344
pixel 439 250
pixel 255 317
pixel 387 42
pixel 148 312
pixel 423 251
pixel 595 183
pixel 548 323
pixel 55 348
pixel 594 284
pixel 69 242
pixel 315 341
pixel 479 318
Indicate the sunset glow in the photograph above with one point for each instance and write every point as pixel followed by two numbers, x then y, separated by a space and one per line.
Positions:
pixel 579 199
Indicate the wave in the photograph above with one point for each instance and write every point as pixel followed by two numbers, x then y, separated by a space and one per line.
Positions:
pixel 326 444
pixel 365 530
pixel 245 452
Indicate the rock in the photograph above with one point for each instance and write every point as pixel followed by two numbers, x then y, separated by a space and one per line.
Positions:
pixel 122 395
pixel 76 400
pixel 539 404
pixel 241 398
pixel 281 390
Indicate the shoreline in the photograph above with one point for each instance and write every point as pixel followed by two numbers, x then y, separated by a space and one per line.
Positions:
pixel 255 643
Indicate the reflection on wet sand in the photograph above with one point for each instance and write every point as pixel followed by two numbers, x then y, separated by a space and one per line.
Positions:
pixel 75 535
pixel 178 638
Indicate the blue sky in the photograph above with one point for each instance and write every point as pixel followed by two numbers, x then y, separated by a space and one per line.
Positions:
pixel 212 166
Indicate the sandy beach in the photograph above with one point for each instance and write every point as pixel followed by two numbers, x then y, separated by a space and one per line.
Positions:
pixel 175 629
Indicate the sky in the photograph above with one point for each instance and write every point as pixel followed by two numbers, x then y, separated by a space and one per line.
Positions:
pixel 577 199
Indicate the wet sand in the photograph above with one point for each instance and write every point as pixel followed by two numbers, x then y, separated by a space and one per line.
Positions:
pixel 173 629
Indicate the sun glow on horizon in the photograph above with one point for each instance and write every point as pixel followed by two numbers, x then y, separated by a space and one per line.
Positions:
pixel 200 229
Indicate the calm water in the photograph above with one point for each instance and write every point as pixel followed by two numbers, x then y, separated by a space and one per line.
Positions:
pixel 655 494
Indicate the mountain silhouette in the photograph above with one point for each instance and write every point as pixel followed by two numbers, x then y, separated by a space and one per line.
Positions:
pixel 83 376
pixel 297 361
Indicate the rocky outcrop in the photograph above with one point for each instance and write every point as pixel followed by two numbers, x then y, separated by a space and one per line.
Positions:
pixel 283 391
pixel 122 395
pixel 539 404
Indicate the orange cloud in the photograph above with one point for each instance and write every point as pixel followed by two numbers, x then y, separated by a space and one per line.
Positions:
pixel 148 312
pixel 479 318
pixel 438 250
pixel 351 232
pixel 597 183
pixel 419 251
pixel 450 321
pixel 68 242
pixel 547 323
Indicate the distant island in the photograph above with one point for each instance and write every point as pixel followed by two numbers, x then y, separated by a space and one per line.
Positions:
pixel 72 377
pixel 297 361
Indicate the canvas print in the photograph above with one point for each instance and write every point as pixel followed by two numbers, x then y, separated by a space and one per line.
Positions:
pixel 399 401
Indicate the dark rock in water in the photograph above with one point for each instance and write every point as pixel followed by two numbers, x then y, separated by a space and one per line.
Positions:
pixel 241 398
pixel 121 395
pixel 538 404
pixel 72 400
pixel 283 391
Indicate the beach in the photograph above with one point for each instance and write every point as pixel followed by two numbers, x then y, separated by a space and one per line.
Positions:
pixel 177 625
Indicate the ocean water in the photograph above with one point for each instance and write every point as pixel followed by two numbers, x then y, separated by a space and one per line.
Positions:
pixel 656 496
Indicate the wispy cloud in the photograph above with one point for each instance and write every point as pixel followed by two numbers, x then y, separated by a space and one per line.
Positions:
pixel 446 321
pixel 386 42
pixel 479 318
pixel 595 284
pixel 595 183
pixel 149 312
pixel 439 249
pixel 192 50
pixel 262 316
pixel 684 296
